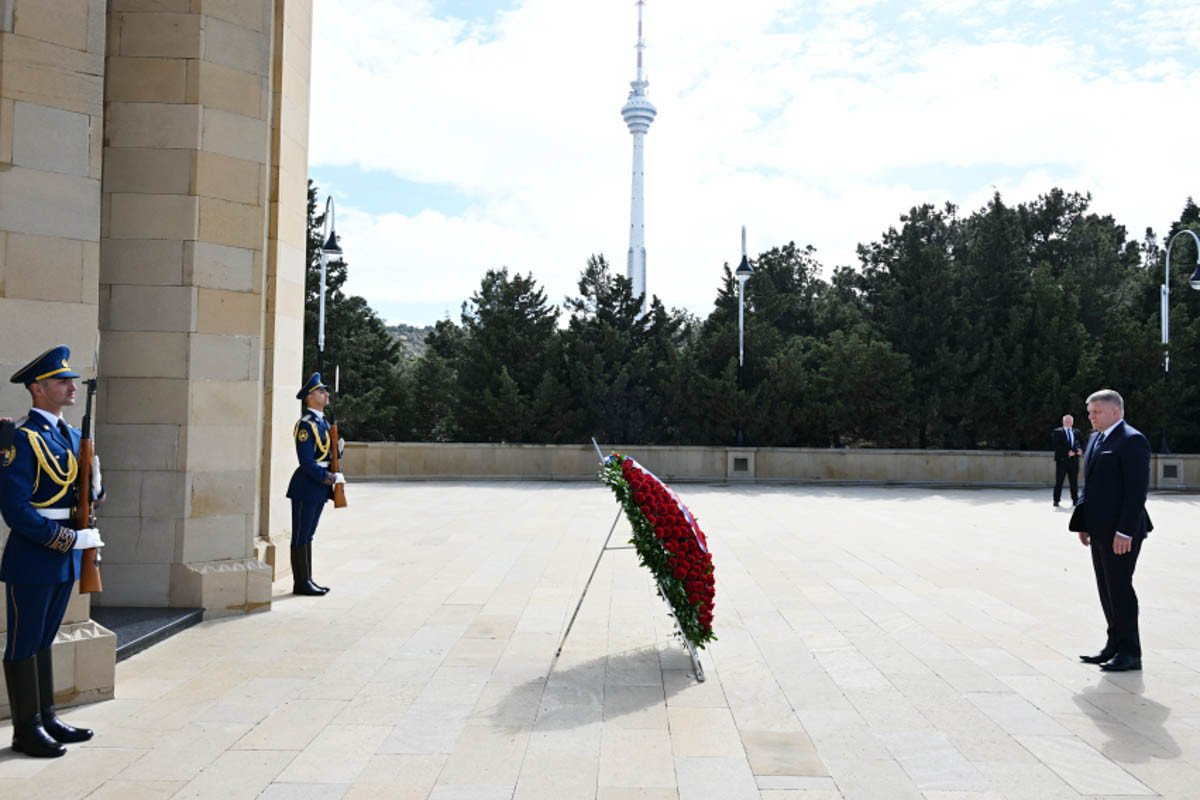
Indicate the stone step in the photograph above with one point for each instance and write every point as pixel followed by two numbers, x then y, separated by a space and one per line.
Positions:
pixel 138 628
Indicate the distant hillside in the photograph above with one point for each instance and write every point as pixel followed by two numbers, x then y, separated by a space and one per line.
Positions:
pixel 411 336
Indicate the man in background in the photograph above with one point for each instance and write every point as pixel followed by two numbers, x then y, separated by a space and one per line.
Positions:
pixel 1068 447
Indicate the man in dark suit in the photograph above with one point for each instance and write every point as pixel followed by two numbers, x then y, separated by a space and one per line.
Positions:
pixel 1068 447
pixel 1111 519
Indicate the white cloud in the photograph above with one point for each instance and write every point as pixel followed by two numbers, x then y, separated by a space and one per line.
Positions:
pixel 820 125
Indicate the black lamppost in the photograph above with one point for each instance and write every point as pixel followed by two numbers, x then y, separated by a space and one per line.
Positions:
pixel 1165 296
pixel 330 250
pixel 742 274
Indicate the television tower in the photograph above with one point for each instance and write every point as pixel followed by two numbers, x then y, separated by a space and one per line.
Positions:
pixel 638 113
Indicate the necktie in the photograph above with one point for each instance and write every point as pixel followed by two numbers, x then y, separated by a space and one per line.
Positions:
pixel 64 430
pixel 1070 440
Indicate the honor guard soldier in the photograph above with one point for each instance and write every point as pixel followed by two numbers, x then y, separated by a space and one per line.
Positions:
pixel 42 556
pixel 312 483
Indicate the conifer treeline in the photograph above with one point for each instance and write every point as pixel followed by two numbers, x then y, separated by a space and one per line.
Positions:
pixel 954 331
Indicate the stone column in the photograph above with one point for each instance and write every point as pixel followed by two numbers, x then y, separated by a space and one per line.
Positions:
pixel 283 345
pixel 51 106
pixel 183 297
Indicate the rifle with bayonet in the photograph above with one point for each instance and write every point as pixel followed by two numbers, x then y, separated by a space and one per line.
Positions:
pixel 85 507
pixel 335 458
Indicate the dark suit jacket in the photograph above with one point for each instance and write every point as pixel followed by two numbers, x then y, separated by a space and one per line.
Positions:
pixel 1116 478
pixel 1061 446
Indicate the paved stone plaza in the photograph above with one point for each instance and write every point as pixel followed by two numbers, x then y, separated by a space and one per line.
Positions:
pixel 875 643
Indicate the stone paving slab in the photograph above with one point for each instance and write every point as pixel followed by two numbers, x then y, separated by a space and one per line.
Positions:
pixel 874 643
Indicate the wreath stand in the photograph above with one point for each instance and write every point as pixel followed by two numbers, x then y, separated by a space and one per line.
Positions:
pixel 692 650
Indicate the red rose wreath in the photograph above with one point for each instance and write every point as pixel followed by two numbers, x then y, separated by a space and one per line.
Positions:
pixel 669 542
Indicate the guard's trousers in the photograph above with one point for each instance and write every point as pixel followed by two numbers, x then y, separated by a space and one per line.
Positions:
pixel 35 610
pixel 305 518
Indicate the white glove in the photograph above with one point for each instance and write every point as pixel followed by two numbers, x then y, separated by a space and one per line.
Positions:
pixel 341 447
pixel 87 537
pixel 338 478
pixel 97 480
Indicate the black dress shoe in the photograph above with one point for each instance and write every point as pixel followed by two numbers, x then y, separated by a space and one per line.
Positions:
pixel 1099 658
pixel 62 732
pixel 1123 663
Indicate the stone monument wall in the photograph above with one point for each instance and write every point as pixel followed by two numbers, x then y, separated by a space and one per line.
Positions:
pixel 153 162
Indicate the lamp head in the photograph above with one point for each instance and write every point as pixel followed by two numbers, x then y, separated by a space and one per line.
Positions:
pixel 331 248
pixel 743 272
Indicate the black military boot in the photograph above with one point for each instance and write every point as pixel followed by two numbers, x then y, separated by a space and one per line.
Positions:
pixel 29 737
pixel 308 560
pixel 301 584
pixel 61 731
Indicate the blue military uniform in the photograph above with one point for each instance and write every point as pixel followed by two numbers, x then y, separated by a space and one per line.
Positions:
pixel 38 473
pixel 37 476
pixel 310 488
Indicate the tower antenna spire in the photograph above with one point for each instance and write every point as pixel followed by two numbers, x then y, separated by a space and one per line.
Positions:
pixel 638 113
pixel 641 42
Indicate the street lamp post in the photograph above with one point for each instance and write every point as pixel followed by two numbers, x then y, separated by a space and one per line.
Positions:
pixel 330 249
pixel 1165 298
pixel 742 273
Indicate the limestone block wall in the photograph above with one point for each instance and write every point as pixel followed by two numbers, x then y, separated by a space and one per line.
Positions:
pixel 51 78
pixel 283 345
pixel 187 159
pixel 51 126
pixel 153 156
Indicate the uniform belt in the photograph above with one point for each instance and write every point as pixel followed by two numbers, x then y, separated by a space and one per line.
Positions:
pixel 54 513
pixel 323 464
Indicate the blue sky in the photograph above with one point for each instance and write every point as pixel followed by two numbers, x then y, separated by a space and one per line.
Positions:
pixel 473 10
pixel 381 192
pixel 460 136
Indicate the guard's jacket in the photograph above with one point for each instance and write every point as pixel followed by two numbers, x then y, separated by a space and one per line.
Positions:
pixel 312 482
pixel 37 474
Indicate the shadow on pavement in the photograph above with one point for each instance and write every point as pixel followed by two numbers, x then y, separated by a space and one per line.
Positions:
pixel 603 688
pixel 1134 724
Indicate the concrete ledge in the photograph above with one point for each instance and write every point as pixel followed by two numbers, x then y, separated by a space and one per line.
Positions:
pixel 85 664
pixel 266 551
pixel 222 588
pixel 522 461
pixel 983 468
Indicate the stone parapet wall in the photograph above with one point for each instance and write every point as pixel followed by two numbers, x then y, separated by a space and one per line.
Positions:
pixel 414 461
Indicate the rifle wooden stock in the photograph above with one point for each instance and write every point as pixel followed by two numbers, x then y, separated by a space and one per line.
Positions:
pixel 335 463
pixel 89 571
